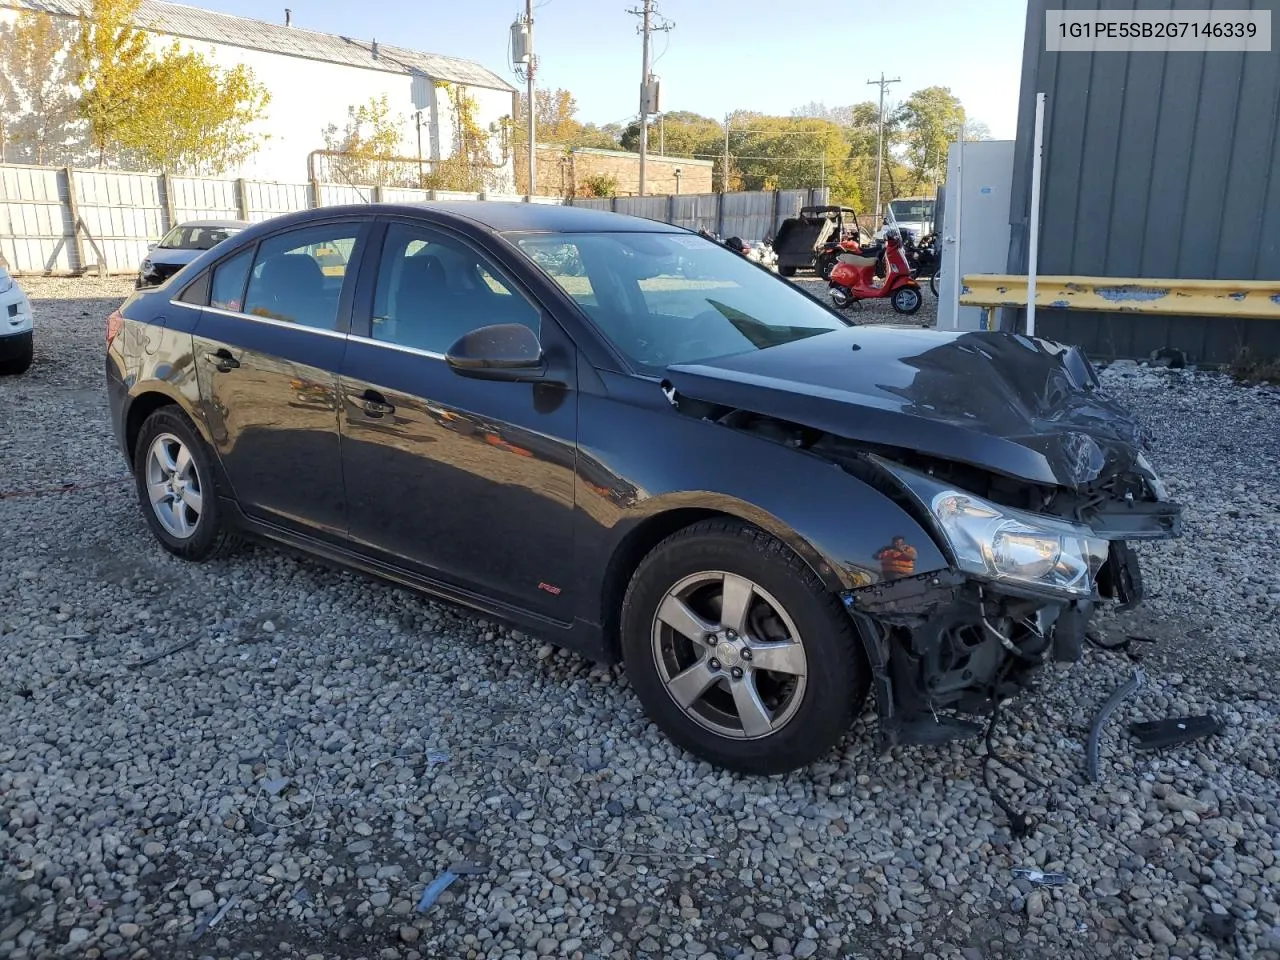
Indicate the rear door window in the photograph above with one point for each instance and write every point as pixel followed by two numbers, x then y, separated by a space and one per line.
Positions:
pixel 227 289
pixel 298 276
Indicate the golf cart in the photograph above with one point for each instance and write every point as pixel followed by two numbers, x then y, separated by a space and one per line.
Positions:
pixel 812 240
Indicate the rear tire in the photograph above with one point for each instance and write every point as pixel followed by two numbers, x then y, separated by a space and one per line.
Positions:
pixel 907 299
pixel 174 475
pixel 933 282
pixel 691 672
pixel 787 271
pixel 20 362
pixel 825 266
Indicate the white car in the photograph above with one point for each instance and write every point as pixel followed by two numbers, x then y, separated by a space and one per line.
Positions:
pixel 16 341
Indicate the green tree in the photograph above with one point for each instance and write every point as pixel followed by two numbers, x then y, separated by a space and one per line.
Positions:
pixel 206 124
pixel 115 65
pixel 361 150
pixel 599 185
pixel 174 111
pixel 38 109
pixel 931 120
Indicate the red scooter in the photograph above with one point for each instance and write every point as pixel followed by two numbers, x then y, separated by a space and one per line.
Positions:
pixel 853 278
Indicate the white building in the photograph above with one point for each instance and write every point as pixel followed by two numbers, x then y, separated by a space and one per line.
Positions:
pixel 314 77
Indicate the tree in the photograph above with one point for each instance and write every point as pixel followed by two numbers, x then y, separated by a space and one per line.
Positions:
pixel 931 121
pixel 38 111
pixel 599 185
pixel 205 126
pixel 555 120
pixel 174 111
pixel 115 64
pixel 361 149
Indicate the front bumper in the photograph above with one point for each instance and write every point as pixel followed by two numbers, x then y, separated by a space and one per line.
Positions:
pixel 15 313
pixel 14 345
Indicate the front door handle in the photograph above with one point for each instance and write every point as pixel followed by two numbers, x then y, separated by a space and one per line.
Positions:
pixel 222 361
pixel 375 404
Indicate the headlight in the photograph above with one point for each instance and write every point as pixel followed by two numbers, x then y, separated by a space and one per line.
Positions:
pixel 6 281
pixel 146 266
pixel 1002 544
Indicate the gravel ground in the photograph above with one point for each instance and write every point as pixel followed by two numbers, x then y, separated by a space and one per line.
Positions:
pixel 298 752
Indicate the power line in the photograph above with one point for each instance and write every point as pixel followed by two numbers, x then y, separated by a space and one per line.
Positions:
pixel 648 88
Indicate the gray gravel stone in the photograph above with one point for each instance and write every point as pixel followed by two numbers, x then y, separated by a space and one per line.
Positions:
pixel 408 736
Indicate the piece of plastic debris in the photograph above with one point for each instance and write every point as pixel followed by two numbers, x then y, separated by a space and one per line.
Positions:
pixel 1040 878
pixel 437 886
pixel 200 930
pixel 1157 734
pixel 435 759
pixel 468 868
pixel 302 896
pixel 1108 708
pixel 1221 927
pixel 274 787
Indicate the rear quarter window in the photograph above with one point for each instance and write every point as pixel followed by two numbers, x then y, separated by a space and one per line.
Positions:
pixel 227 289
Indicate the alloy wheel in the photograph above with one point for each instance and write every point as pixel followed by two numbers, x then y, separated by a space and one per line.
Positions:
pixel 729 655
pixel 173 486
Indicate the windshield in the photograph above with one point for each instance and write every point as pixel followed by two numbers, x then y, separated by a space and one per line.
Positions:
pixel 912 210
pixel 668 298
pixel 196 238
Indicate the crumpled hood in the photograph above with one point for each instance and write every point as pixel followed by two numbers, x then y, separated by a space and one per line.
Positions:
pixel 1021 406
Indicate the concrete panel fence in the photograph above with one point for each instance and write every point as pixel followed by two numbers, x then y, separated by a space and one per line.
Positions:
pixel 66 221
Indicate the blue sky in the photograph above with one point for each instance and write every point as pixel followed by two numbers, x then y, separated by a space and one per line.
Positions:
pixel 722 55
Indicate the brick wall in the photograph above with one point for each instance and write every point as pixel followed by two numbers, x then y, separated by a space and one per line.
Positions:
pixel 562 172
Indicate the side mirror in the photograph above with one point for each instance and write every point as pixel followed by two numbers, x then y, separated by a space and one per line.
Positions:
pixel 151 246
pixel 501 351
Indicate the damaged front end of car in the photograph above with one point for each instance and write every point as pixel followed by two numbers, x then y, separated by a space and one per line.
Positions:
pixel 1021 589
pixel 1004 448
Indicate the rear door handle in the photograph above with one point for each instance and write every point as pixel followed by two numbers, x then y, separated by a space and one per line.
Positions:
pixel 375 404
pixel 222 360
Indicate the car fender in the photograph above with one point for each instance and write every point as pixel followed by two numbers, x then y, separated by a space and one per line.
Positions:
pixel 842 526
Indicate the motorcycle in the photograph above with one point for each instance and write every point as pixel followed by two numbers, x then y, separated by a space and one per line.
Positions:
pixel 927 261
pixel 853 277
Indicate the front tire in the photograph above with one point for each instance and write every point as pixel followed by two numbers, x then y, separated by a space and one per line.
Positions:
pixel 19 361
pixel 787 271
pixel 738 652
pixel 933 282
pixel 174 475
pixel 907 299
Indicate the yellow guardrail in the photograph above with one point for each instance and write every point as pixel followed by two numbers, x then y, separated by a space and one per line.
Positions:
pixel 1248 299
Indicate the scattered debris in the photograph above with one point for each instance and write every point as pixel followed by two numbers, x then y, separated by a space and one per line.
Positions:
pixel 274 787
pixel 1040 878
pixel 435 759
pixel 1126 689
pixel 1170 357
pixel 1158 734
pixel 1220 926
pixel 138 664
pixel 437 886
pixel 200 930
pixel 468 868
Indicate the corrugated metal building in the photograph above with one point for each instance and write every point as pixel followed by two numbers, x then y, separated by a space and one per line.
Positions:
pixel 1154 165
pixel 313 77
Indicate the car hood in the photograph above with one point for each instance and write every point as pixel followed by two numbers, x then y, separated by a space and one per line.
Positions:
pixel 1017 405
pixel 171 256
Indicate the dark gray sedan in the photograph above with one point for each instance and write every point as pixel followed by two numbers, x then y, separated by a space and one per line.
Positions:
pixel 633 442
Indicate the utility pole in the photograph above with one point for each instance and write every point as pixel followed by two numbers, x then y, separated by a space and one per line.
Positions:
pixel 533 143
pixel 881 83
pixel 724 172
pixel 646 14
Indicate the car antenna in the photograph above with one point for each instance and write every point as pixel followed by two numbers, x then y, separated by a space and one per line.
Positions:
pixel 343 174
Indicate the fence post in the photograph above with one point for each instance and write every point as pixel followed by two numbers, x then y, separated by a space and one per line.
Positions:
pixel 720 214
pixel 376 193
pixel 315 194
pixel 166 186
pixel 242 199
pixel 74 208
pixel 671 208
pixel 773 216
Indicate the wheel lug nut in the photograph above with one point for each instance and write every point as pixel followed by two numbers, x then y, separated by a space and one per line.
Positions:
pixel 746 654
pixel 737 673
pixel 711 639
pixel 714 664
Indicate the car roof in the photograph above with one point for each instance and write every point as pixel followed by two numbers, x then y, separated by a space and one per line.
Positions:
pixel 214 223
pixel 499 216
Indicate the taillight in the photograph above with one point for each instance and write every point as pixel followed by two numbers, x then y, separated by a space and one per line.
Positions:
pixel 115 323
